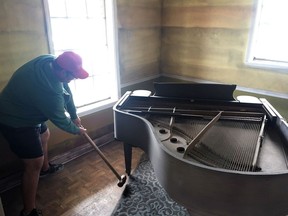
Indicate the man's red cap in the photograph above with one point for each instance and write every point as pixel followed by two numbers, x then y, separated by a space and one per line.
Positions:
pixel 72 63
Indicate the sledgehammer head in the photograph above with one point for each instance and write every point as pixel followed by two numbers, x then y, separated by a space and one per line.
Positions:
pixel 122 181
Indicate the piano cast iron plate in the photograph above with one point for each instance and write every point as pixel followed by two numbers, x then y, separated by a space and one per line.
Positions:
pixel 228 144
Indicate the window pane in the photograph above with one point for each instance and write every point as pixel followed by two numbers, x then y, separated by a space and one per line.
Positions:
pixel 57 8
pixel 95 8
pixel 91 86
pixel 79 33
pixel 76 8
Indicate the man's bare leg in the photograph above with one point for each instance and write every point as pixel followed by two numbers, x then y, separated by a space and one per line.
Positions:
pixel 44 139
pixel 30 181
pixel 48 168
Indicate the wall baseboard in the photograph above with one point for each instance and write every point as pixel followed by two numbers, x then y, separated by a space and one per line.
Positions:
pixel 14 180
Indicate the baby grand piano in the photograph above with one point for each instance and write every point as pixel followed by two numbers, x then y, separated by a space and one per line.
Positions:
pixel 213 154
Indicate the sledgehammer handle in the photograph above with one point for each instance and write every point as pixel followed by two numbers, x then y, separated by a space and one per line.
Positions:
pixel 102 155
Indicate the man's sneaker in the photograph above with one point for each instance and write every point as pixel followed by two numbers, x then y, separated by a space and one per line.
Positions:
pixel 52 169
pixel 34 212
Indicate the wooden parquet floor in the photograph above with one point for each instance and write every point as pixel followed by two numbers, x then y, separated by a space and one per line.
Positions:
pixel 86 186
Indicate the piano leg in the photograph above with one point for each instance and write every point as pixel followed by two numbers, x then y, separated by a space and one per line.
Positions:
pixel 128 157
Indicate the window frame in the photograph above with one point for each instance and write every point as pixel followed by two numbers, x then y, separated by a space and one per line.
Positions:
pixel 251 59
pixel 112 38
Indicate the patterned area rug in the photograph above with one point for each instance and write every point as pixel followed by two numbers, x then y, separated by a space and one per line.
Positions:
pixel 143 195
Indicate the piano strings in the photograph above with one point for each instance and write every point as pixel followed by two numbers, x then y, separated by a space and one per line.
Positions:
pixel 223 139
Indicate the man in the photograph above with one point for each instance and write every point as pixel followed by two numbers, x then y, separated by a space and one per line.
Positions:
pixel 37 92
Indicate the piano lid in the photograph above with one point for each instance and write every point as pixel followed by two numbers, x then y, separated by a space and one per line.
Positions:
pixel 196 91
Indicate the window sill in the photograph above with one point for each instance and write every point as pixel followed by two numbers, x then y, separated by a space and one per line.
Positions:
pixel 93 108
pixel 277 67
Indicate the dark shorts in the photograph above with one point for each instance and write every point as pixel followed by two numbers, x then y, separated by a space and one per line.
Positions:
pixel 25 142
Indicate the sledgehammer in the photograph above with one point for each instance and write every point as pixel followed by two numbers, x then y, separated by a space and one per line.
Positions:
pixel 121 179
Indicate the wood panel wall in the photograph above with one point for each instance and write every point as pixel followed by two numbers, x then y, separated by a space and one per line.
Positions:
pixel 208 40
pixel 22 35
pixel 139 38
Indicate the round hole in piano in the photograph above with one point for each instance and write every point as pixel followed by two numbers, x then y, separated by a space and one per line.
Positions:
pixel 173 140
pixel 162 131
pixel 180 149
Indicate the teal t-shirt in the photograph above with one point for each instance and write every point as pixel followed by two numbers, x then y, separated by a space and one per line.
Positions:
pixel 34 95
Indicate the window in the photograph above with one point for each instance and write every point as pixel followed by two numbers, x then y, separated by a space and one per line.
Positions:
pixel 87 28
pixel 269 39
